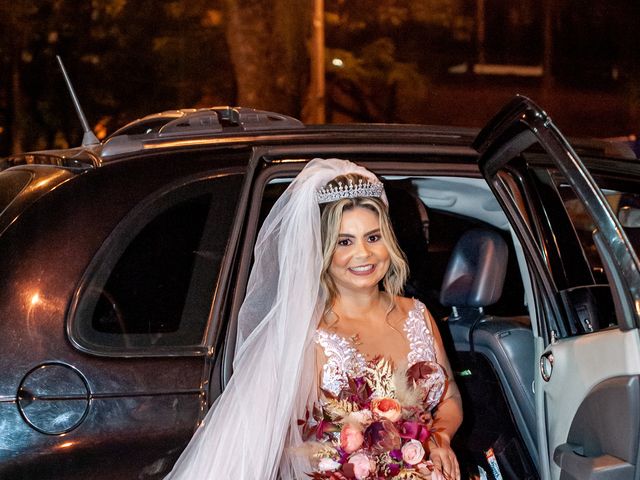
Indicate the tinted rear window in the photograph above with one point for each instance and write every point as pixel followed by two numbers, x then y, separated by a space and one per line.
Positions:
pixel 151 286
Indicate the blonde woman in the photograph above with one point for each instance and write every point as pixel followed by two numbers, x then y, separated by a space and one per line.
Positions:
pixel 366 329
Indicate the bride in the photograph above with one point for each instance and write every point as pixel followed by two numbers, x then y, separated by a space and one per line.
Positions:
pixel 334 377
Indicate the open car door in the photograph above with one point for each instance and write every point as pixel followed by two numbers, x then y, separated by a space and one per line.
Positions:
pixel 584 298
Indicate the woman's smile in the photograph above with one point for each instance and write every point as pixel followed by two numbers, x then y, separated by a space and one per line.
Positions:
pixel 363 269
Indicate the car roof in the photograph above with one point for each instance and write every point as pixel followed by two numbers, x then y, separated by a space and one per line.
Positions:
pixel 217 126
pixel 237 125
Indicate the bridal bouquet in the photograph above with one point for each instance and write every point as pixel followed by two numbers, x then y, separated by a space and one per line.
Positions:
pixel 376 428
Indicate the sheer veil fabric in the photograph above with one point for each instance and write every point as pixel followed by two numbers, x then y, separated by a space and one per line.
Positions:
pixel 251 430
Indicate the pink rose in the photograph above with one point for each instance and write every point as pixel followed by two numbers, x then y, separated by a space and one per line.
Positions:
pixel 387 408
pixel 351 438
pixel 363 466
pixel 412 452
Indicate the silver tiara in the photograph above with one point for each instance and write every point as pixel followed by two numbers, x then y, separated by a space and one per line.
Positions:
pixel 350 190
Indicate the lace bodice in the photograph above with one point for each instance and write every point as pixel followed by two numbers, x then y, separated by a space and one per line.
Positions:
pixel 344 361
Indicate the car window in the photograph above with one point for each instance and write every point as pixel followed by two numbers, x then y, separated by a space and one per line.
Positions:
pixel 151 285
pixel 623 196
pixel 583 284
pixel 445 223
pixel 625 205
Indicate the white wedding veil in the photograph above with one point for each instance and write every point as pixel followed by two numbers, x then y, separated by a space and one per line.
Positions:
pixel 249 431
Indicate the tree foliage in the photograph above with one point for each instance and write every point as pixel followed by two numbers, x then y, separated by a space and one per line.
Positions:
pixel 126 59
pixel 383 59
pixel 394 49
pixel 373 86
pixel 268 44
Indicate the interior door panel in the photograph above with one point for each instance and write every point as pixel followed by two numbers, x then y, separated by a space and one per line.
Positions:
pixel 574 389
pixel 603 435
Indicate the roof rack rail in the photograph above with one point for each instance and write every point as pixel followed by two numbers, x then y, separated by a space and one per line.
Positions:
pixel 206 121
pixel 177 124
pixel 250 119
pixel 174 124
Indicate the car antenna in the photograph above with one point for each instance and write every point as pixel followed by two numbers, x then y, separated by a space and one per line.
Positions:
pixel 89 138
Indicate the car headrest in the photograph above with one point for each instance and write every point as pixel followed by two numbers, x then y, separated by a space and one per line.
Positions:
pixel 476 270
pixel 410 220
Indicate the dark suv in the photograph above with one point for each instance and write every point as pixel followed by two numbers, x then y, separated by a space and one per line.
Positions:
pixel 123 266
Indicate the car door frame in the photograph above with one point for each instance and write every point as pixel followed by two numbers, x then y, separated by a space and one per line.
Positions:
pixel 280 162
pixel 518 126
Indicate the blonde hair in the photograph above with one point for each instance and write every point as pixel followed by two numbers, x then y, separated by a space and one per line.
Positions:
pixel 331 218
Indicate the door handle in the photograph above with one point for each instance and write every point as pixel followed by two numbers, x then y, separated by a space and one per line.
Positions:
pixel 599 467
pixel 546 366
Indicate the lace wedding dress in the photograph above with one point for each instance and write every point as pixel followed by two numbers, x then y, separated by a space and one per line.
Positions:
pixel 373 419
pixel 344 361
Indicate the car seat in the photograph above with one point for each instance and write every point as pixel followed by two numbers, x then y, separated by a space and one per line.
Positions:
pixel 474 280
pixel 410 219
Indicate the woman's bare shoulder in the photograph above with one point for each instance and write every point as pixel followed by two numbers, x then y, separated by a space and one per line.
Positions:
pixel 405 304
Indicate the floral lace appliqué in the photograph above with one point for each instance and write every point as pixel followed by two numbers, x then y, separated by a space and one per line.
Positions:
pixel 422 350
pixel 344 361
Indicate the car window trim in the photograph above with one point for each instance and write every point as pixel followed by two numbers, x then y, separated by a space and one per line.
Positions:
pixel 153 201
pixel 522 124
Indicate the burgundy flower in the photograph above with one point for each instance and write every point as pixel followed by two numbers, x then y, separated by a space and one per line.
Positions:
pixel 394 468
pixel 414 430
pixel 396 454
pixel 360 382
pixel 323 427
pixel 383 435
pixel 348 470
pixel 420 370
pixel 337 476
pixel 344 456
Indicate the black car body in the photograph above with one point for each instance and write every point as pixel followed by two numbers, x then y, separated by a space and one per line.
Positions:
pixel 123 266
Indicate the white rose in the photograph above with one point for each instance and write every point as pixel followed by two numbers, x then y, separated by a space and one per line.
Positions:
pixel 327 464
pixel 412 452
pixel 363 417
